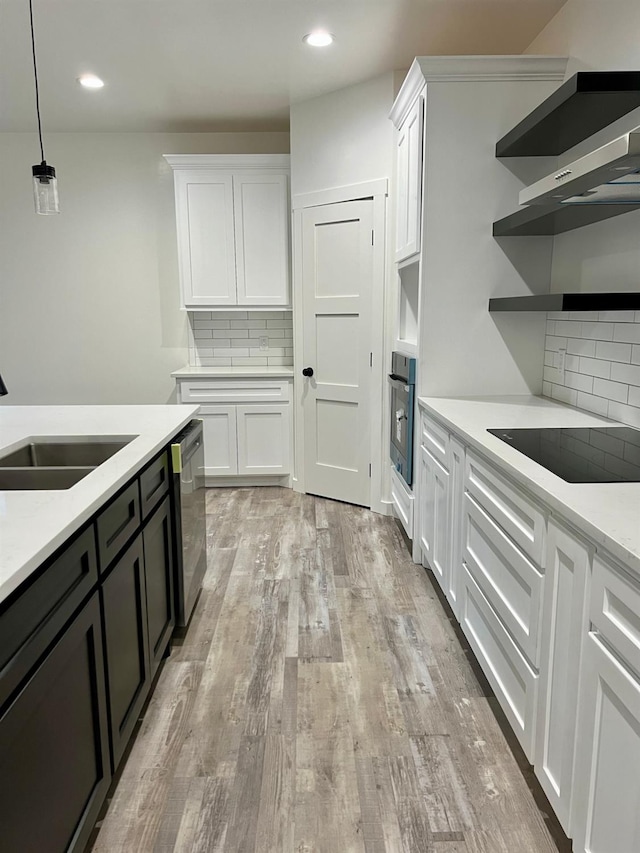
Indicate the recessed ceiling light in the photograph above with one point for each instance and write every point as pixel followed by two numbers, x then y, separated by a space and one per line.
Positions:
pixel 90 81
pixel 318 38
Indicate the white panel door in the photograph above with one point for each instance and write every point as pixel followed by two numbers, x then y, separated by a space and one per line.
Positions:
pixel 606 813
pixel 220 444
pixel 409 183
pixel 206 245
pixel 261 211
pixel 337 263
pixel 264 436
pixel 564 624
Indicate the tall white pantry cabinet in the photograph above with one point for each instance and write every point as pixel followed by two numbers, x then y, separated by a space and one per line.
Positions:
pixel 232 218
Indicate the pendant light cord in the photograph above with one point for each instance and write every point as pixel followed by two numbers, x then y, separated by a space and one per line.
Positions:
pixel 35 75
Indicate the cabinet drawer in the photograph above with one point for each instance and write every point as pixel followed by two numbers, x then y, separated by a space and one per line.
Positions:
pixel 513 511
pixel 117 524
pixel 234 391
pixel 509 581
pixel 514 682
pixel 435 439
pixel 615 611
pixel 30 623
pixel 154 484
pixel 402 500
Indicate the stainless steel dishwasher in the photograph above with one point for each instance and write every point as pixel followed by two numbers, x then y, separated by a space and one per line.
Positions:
pixel 187 461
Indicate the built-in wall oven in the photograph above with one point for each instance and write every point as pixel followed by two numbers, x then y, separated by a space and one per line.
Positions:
pixel 402 380
pixel 187 459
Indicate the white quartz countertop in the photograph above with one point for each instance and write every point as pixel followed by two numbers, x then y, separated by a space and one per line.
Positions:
pixel 33 524
pixel 237 372
pixel 608 513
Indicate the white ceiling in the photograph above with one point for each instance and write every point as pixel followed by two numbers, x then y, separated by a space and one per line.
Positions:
pixel 215 65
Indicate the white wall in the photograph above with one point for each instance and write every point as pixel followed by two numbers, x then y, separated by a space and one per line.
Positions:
pixel 598 35
pixel 342 138
pixel 89 300
pixel 464 350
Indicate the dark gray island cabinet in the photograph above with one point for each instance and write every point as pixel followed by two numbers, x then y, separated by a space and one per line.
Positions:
pixel 80 641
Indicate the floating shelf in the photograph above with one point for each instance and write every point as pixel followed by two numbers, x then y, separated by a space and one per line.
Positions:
pixel 582 106
pixel 539 220
pixel 568 302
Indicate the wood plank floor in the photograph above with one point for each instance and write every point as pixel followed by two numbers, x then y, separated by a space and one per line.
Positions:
pixel 321 700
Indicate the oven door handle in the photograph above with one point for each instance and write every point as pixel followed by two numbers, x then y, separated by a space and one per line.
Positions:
pixel 395 378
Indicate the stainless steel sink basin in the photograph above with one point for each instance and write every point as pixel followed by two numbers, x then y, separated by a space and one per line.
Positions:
pixel 30 479
pixel 64 452
pixel 44 463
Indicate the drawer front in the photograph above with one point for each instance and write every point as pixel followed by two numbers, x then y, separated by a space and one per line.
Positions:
pixel 435 439
pixel 154 484
pixel 510 582
pixel 402 501
pixel 615 611
pixel 513 511
pixel 31 622
pixel 514 682
pixel 117 524
pixel 235 391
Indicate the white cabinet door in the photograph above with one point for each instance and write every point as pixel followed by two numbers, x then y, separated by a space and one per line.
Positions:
pixel 264 439
pixel 434 516
pixel 220 443
pixel 456 516
pixel 564 624
pixel 261 213
pixel 606 810
pixel 409 183
pixel 206 245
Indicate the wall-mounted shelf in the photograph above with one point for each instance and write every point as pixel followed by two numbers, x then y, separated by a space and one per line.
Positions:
pixel 538 220
pixel 582 106
pixel 568 302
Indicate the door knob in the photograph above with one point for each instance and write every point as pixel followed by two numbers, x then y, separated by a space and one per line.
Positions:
pixel 307 371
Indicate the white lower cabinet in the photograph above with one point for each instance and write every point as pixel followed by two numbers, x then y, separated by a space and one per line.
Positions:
pixel 568 567
pixel 245 433
pixel 220 444
pixel 605 816
pixel 435 531
pixel 263 439
pixel 456 483
pixel 513 680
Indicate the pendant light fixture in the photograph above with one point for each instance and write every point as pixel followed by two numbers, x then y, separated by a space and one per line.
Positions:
pixel 45 183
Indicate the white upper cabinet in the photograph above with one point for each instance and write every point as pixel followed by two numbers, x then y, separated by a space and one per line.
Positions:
pixel 409 182
pixel 232 216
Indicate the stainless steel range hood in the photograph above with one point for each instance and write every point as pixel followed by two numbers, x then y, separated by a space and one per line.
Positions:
pixel 608 175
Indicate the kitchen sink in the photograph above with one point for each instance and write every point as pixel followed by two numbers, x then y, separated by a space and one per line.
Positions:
pixel 64 452
pixel 44 463
pixel 40 479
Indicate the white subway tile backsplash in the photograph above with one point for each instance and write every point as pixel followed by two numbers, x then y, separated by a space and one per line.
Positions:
pixel 602 366
pixel 597 331
pixel 627 333
pixel 629 373
pixel 578 346
pixel 597 405
pixel 617 316
pixel 578 381
pixel 627 414
pixel 228 338
pixel 595 367
pixel 613 352
pixel 611 390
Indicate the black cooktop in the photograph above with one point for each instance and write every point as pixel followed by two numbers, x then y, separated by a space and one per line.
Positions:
pixel 580 455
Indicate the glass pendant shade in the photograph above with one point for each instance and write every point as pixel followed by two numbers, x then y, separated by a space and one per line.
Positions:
pixel 45 189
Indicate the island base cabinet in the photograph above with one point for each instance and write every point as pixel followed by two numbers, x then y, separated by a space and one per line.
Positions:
pixel 158 569
pixel 127 645
pixel 606 812
pixel 54 750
